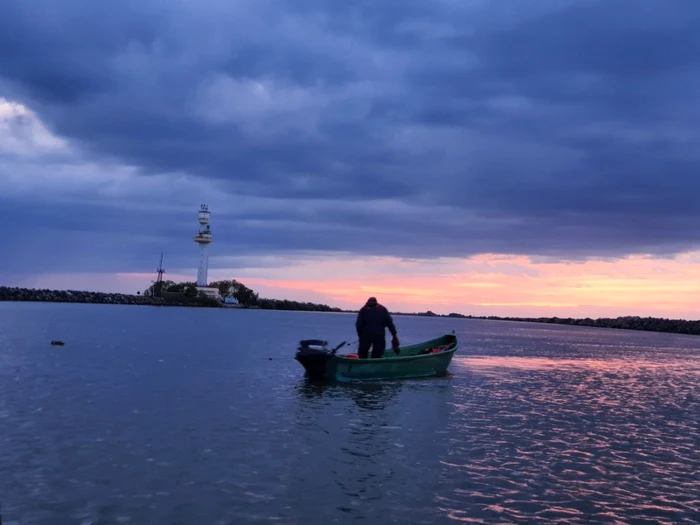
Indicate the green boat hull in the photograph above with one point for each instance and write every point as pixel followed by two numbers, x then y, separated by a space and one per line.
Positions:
pixel 410 363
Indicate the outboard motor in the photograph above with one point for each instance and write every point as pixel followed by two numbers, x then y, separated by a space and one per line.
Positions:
pixel 314 354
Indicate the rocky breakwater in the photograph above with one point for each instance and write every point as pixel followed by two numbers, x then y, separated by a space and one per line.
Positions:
pixel 74 296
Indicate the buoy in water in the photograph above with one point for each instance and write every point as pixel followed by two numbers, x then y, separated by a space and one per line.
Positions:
pixel 56 342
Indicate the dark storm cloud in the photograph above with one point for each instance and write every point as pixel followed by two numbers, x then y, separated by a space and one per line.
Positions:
pixel 624 39
pixel 566 129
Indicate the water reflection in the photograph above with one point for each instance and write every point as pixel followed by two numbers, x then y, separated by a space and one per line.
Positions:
pixel 367 396
pixel 565 440
pixel 371 442
pixel 494 363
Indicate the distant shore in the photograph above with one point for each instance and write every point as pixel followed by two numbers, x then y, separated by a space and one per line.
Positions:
pixel 629 322
pixel 647 324
pixel 171 299
pixel 75 296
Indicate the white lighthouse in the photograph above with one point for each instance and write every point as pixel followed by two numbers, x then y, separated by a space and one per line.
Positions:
pixel 203 238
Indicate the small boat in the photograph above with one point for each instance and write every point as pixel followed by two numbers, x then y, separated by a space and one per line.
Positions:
pixel 426 359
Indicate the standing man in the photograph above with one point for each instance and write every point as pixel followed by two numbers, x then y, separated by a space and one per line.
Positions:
pixel 372 319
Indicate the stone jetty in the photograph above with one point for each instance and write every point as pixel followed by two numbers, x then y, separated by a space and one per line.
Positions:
pixel 77 296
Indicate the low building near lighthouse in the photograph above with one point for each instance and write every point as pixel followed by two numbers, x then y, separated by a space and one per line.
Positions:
pixel 211 293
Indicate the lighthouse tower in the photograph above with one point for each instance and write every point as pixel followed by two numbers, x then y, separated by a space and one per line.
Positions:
pixel 203 238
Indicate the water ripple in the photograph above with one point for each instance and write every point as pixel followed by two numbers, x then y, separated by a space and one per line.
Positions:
pixel 575 441
pixel 140 418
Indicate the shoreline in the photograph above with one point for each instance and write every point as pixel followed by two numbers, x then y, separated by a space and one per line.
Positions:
pixel 15 294
pixel 43 295
pixel 638 323
pixel 626 322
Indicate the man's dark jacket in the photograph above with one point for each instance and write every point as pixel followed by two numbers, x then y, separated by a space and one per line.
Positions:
pixel 372 319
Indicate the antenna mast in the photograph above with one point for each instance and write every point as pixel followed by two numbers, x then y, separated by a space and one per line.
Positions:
pixel 158 288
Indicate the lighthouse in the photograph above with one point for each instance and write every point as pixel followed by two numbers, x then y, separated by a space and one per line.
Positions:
pixel 203 238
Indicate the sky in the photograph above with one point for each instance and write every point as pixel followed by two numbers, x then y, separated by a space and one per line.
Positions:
pixel 519 157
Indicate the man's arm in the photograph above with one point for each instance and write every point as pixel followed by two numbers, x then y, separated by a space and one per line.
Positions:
pixel 390 323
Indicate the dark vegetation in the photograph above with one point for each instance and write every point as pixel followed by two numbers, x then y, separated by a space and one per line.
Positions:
pixel 630 322
pixel 185 294
pixel 232 288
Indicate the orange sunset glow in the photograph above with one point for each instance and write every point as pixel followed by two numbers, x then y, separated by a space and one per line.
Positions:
pixel 514 286
pixel 482 285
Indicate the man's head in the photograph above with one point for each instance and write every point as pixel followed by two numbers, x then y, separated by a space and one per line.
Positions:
pixel 372 301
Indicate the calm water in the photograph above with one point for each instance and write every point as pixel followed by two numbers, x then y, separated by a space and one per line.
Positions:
pixel 178 416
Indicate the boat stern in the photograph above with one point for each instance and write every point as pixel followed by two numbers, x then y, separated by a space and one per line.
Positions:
pixel 314 356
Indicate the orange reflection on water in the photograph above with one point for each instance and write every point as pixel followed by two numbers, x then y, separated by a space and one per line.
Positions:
pixel 543 363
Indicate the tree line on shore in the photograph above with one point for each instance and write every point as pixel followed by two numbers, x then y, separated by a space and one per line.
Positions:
pixel 629 322
pixel 245 296
pixel 250 299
